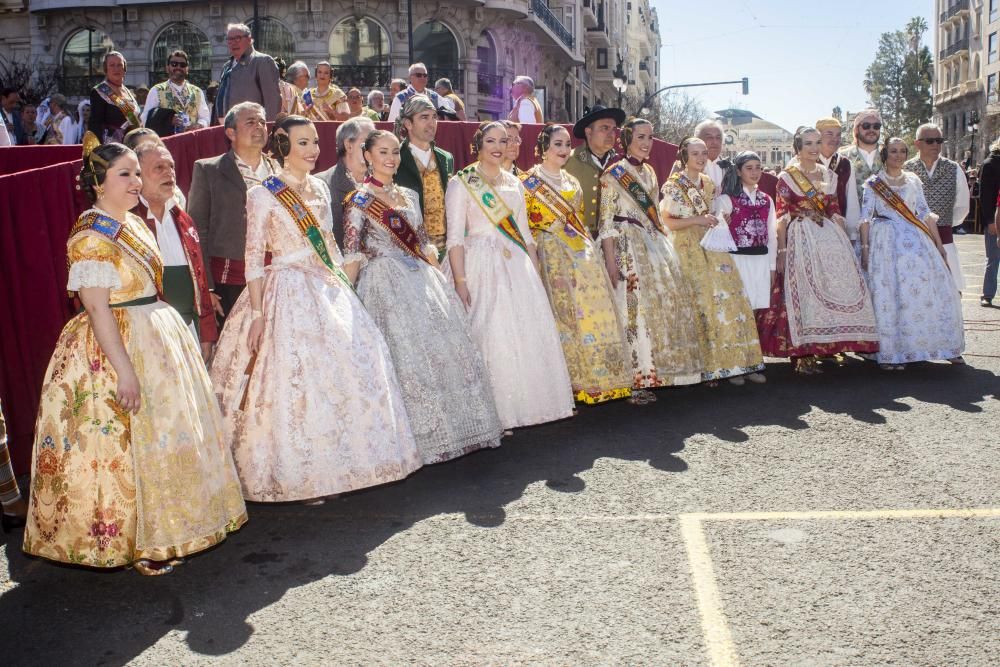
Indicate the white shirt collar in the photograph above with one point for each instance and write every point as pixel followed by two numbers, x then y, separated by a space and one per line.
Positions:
pixel 167 207
pixel 424 156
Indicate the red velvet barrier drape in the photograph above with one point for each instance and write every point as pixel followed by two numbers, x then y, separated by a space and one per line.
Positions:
pixel 37 209
pixel 14 159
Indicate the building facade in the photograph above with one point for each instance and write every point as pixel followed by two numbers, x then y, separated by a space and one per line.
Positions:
pixel 746 131
pixel 964 46
pixel 481 45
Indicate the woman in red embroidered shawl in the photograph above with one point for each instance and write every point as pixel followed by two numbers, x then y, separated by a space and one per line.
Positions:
pixel 820 304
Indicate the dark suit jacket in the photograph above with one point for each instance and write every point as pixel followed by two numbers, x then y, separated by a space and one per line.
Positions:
pixel 408 174
pixel 340 185
pixel 989 187
pixel 217 202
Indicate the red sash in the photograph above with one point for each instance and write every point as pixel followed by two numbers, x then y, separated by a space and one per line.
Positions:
pixel 399 228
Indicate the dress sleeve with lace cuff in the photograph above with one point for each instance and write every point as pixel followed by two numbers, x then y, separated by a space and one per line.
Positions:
pixel 93 273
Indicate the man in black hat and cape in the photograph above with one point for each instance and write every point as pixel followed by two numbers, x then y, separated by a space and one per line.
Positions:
pixel 598 128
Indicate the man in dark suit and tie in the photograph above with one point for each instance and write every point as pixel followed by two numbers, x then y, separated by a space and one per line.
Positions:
pixel 217 199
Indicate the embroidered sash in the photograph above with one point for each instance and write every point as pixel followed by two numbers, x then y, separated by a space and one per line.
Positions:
pixel 691 194
pixel 399 228
pixel 121 235
pixel 634 188
pixel 814 196
pixel 572 232
pixel 306 222
pixel 307 99
pixel 492 206
pixel 897 204
pixel 125 102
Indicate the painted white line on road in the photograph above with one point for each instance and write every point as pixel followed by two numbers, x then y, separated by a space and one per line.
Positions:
pixel 847 514
pixel 718 640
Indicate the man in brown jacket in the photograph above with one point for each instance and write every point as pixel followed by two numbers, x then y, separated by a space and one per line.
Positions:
pixel 248 75
pixel 217 200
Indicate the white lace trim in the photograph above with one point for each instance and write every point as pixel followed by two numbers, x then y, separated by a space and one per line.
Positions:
pixel 253 274
pixel 93 273
pixel 356 257
pixel 609 232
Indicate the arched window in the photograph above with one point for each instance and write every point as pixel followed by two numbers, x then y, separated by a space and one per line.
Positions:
pixel 435 46
pixel 191 40
pixel 274 39
pixel 487 80
pixel 359 53
pixel 83 61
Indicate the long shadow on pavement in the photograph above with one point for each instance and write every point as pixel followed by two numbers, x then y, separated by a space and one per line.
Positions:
pixel 62 615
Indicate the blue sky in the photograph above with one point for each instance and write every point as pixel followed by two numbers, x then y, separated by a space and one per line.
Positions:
pixel 802 58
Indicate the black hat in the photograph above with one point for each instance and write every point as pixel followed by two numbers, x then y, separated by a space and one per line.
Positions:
pixel 596 113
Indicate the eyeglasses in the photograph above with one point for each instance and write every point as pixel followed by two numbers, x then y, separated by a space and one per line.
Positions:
pixel 932 140
pixel 174 63
pixel 871 126
pixel 235 38
pixel 420 75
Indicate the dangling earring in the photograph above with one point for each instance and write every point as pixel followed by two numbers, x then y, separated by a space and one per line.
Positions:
pixel 99 189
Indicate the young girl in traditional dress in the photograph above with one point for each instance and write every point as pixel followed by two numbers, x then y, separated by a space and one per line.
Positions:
pixel 494 261
pixel 726 330
pixel 654 301
pixel 918 309
pixel 820 304
pixel 576 281
pixel 441 371
pixel 130 463
pixel 307 387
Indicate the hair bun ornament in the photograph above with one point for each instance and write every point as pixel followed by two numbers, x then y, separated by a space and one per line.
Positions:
pixel 90 144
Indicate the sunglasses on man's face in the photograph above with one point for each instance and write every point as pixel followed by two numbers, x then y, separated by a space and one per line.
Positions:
pixel 871 126
pixel 420 75
pixel 932 140
pixel 174 63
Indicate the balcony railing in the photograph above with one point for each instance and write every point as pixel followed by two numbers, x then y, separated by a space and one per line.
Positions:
pixel 960 45
pixel 456 76
pixel 490 85
pixel 542 11
pixel 951 10
pixel 361 76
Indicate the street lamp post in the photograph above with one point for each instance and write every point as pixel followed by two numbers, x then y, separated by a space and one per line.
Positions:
pixel 620 82
pixel 644 109
pixel 973 127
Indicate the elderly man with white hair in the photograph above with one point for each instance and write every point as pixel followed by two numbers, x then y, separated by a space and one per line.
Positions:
pixel 526 108
pixel 710 131
pixel 946 190
pixel 376 102
pixel 418 86
pixel 349 172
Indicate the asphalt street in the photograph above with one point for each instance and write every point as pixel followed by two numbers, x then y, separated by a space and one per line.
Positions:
pixel 851 518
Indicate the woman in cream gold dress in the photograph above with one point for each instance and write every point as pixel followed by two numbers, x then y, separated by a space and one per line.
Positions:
pixel 130 463
pixel 653 299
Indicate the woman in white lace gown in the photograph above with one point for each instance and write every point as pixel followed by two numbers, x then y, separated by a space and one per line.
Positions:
pixel 494 262
pixel 308 391
pixel 917 308
pixel 441 371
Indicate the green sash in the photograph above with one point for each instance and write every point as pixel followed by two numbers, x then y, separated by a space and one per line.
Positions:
pixel 492 206
pixel 306 222
pixel 632 186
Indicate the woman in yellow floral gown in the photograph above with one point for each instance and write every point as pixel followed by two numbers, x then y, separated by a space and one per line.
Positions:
pixel 652 297
pixel 130 466
pixel 574 275
pixel 727 331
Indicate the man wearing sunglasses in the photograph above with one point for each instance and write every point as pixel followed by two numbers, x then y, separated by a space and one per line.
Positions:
pixel 179 95
pixel 946 190
pixel 418 86
pixel 863 153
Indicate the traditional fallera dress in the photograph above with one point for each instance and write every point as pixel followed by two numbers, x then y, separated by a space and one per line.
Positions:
pixel 654 301
pixel 727 332
pixel 110 487
pixel 580 293
pixel 918 309
pixel 510 314
pixel 822 305
pixel 441 370
pixel 318 411
pixel 753 226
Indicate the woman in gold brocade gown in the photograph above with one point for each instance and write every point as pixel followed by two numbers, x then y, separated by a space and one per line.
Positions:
pixel 130 466
pixel 574 275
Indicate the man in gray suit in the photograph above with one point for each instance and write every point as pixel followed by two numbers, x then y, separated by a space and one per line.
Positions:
pixel 248 76
pixel 217 200
pixel 345 176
